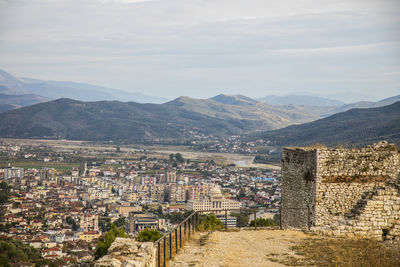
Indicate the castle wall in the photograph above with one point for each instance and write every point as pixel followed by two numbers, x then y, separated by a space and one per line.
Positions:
pixel 298 187
pixel 346 176
pixel 336 200
pixel 356 191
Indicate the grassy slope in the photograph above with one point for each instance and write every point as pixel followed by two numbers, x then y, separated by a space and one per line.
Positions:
pixel 356 126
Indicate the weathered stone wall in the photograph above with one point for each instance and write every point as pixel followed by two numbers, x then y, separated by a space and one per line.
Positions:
pixel 356 191
pixel 128 253
pixel 298 187
pixel 377 216
pixel 336 200
pixel 376 163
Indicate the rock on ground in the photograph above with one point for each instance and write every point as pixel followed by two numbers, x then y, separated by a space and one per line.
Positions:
pixel 128 253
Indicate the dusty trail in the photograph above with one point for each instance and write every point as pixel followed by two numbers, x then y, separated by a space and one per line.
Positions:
pixel 244 248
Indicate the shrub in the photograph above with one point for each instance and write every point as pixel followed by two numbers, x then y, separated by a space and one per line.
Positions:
pixel 209 223
pixel 149 235
pixel 105 243
pixel 242 219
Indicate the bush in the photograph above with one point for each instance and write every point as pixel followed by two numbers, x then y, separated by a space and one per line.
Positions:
pixel 209 223
pixel 149 235
pixel 277 218
pixel 105 243
pixel 242 219
pixel 14 251
pixel 263 222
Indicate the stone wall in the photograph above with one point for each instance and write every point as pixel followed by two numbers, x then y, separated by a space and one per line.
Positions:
pixel 128 253
pixel 350 165
pixel 336 200
pixel 354 192
pixel 298 187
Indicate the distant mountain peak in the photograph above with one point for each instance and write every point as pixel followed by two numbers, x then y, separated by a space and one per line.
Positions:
pixel 239 100
pixel 75 90
pixel 299 99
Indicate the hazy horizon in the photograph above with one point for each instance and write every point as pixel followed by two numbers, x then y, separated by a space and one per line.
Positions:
pixel 201 48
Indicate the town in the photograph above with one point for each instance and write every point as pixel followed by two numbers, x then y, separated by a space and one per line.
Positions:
pixel 64 199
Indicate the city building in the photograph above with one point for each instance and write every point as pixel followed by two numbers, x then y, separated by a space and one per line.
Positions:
pixel 89 222
pixel 140 221
pixel 214 202
pixel 12 172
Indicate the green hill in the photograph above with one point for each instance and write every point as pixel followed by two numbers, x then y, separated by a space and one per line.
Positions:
pixel 129 121
pixel 353 127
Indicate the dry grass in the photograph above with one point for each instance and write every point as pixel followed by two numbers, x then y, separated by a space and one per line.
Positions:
pixel 344 252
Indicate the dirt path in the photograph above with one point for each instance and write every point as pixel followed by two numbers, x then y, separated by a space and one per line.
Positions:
pixel 244 248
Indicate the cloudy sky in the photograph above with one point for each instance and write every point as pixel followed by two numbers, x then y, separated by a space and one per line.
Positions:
pixel 200 48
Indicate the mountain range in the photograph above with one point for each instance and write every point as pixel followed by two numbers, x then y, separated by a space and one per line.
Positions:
pixel 358 126
pixel 28 111
pixel 47 90
pixel 301 100
pixel 183 117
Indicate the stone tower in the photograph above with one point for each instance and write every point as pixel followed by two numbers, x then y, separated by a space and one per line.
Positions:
pixel 353 192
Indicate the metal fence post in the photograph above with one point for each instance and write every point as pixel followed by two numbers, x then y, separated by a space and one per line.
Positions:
pixel 158 254
pixel 164 253
pixel 280 218
pixel 176 240
pixel 180 236
pixel 170 245
pixel 190 218
pixel 255 219
pixel 226 219
pixel 193 222
pixel 184 231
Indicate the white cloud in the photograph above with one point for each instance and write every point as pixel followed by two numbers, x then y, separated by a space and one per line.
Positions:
pixel 362 48
pixel 125 1
pixel 202 44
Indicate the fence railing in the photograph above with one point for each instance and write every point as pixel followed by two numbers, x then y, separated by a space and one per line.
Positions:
pixel 170 243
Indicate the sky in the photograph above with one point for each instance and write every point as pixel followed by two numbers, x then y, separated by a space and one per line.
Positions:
pixel 201 48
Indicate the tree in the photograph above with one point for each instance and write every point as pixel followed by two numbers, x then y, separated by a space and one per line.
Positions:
pixel 4 192
pixel 105 243
pixel 14 251
pixel 171 157
pixel 149 235
pixel 179 157
pixel 120 222
pixel 177 217
pixel 209 223
pixel 104 223
pixel 242 219
pixel 159 210
pixel 263 222
pixel 4 261
pixel 72 222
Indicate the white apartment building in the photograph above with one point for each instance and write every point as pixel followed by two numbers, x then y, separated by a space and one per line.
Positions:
pixel 214 202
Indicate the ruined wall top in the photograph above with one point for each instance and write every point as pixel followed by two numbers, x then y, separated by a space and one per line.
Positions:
pixel 375 163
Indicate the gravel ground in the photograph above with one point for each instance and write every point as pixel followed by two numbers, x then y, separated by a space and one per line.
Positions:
pixel 244 248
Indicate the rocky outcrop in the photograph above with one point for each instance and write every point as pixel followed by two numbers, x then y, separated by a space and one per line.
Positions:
pixel 128 252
